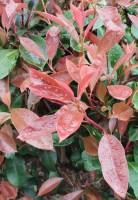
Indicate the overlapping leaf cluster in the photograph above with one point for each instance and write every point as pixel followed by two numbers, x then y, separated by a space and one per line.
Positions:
pixel 69 83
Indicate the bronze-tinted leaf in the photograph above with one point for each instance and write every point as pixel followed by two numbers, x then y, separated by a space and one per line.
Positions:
pixel 121 92
pixel 8 190
pixel 7 144
pixel 1 159
pixel 62 76
pixel 73 195
pixel 114 167
pixel 101 91
pixel 122 111
pixel 49 185
pixel 91 145
pixel 22 117
pixel 112 124
pixel 73 70
pixel 122 125
pixel 69 121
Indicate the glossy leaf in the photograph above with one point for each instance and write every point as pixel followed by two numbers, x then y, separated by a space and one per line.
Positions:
pixel 69 121
pixel 52 41
pixel 39 132
pixel 8 190
pixel 32 58
pixel 8 58
pixel 73 195
pixel 91 145
pixel 49 185
pixel 16 171
pixel 7 143
pixel 60 19
pixel 114 167
pixel 122 111
pixel 61 63
pixel 22 117
pixel 121 92
pixel 135 100
pixel 133 176
pixel 62 76
pixel 32 47
pixel 46 86
pixel 73 71
pixel 133 133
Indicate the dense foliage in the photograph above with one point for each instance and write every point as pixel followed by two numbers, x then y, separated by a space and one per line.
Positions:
pixel 69 99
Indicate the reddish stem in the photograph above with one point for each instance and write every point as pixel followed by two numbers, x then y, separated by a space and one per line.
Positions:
pixel 90 121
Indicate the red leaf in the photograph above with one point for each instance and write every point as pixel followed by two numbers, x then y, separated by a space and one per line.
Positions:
pixel 109 40
pixel 93 38
pixel 60 19
pixel 6 99
pixel 32 47
pixel 73 71
pixel 39 132
pixel 22 117
pixel 61 63
pixel 45 86
pixel 62 76
pixel 110 17
pixel 52 41
pixel 91 145
pixel 84 84
pixel 8 190
pixel 78 16
pixel 49 185
pixel 122 126
pixel 90 26
pixel 121 92
pixel 69 121
pixel 122 111
pixel 7 143
pixel 73 195
pixel 134 19
pixel 129 50
pixel 11 8
pixel 1 159
pixel 19 79
pixel 114 167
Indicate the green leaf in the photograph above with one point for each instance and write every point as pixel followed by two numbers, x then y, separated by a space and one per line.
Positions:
pixel 114 54
pixel 135 100
pixel 76 46
pixel 134 31
pixel 136 153
pixel 98 24
pixel 133 176
pixel 66 142
pixel 31 58
pixel 48 159
pixel 8 59
pixel 91 163
pixel 16 171
pixel 133 133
